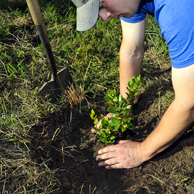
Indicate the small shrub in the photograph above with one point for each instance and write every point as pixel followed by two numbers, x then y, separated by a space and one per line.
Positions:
pixel 120 108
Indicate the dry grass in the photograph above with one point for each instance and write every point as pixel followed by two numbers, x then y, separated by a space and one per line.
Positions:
pixel 74 96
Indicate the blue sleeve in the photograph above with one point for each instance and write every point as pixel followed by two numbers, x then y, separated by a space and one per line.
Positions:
pixel 145 8
pixel 138 17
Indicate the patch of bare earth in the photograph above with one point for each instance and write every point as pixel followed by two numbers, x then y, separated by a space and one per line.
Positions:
pixel 70 150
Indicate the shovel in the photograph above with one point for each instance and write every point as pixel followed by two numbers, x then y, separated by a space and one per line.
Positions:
pixel 59 80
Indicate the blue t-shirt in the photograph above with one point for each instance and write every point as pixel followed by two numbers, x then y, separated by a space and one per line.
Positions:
pixel 176 20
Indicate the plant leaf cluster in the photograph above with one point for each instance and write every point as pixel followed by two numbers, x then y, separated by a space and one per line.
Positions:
pixel 120 107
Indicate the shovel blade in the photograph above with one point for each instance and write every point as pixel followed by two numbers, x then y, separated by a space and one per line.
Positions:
pixel 53 89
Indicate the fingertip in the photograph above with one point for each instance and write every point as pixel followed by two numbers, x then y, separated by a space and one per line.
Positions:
pixel 108 167
pixel 101 164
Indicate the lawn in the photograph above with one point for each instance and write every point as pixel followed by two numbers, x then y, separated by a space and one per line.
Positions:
pixel 48 147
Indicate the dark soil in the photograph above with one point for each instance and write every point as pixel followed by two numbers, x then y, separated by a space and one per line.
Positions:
pixel 70 149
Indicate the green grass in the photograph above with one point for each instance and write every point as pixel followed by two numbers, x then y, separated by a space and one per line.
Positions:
pixel 93 60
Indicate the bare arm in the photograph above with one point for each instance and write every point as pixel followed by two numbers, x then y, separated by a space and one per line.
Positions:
pixel 175 121
pixel 131 56
pixel 177 118
pixel 131 52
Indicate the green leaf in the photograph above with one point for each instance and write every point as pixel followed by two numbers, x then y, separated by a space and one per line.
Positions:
pixel 94 128
pixel 126 112
pixel 105 121
pixel 108 131
pixel 112 137
pixel 100 130
pixel 98 135
pixel 104 140
pixel 117 127
pixel 100 139
pixel 128 119
pixel 112 110
pixel 104 134
pixel 95 121
pixel 115 99
pixel 131 126
pixel 113 121
pixel 135 94
pixel 120 97
pixel 92 112
pixel 123 129
pixel 109 96
pixel 122 104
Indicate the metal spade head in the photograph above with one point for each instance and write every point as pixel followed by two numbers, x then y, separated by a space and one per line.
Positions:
pixel 60 80
pixel 54 88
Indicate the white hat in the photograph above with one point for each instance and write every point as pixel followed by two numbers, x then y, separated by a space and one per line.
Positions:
pixel 87 13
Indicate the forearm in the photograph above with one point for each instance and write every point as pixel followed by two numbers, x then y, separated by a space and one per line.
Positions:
pixel 130 66
pixel 173 124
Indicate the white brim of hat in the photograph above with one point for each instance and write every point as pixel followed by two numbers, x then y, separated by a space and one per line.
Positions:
pixel 87 15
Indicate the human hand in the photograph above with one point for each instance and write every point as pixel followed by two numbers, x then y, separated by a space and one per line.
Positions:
pixel 126 154
pixel 109 115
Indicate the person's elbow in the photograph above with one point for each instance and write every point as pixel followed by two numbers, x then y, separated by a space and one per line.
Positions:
pixel 133 52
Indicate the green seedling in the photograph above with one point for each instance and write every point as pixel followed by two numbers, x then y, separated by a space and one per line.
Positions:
pixel 120 107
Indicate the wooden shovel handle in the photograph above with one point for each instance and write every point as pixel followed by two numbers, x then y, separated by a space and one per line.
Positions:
pixel 35 11
pixel 38 21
